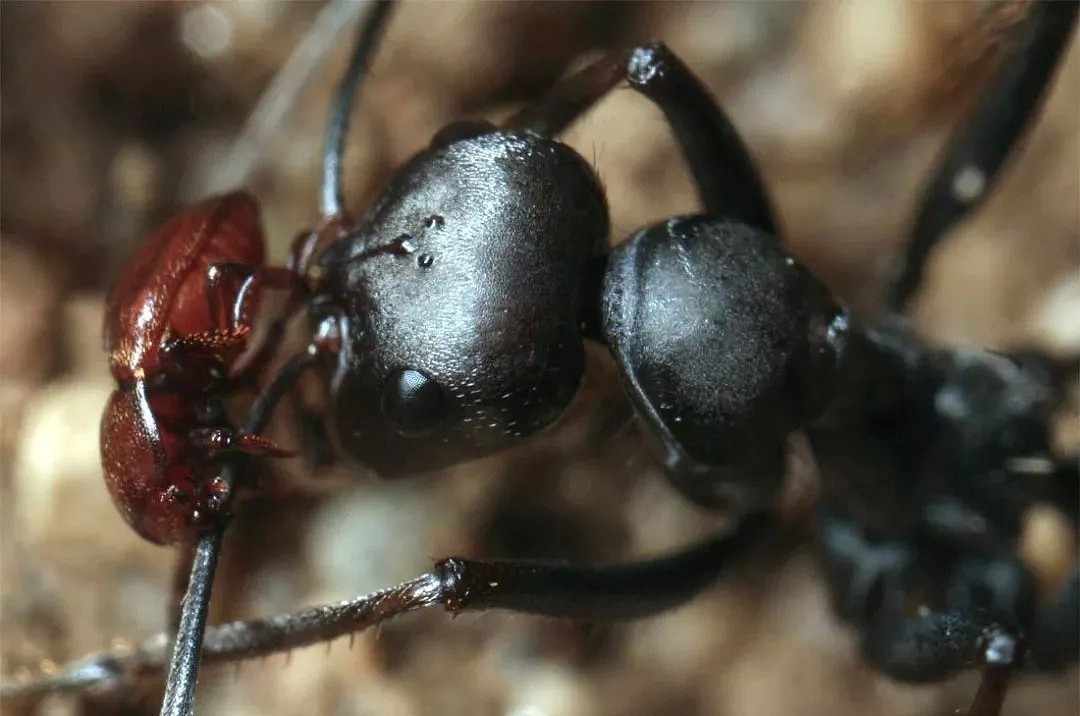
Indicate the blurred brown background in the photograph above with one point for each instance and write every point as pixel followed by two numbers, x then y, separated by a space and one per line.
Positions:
pixel 114 114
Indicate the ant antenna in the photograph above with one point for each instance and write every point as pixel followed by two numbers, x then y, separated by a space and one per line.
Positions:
pixel 337 128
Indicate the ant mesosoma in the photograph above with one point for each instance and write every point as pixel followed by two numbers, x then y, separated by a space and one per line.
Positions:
pixel 449 324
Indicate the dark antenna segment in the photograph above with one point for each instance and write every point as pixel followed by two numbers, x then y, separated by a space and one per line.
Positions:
pixel 337 128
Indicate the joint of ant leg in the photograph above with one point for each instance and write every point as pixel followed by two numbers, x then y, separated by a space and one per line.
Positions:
pixel 1002 648
pixel 327 340
pixel 460 580
pixel 646 64
pixel 453 583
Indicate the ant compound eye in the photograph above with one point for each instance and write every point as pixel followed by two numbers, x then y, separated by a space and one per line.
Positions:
pixel 414 402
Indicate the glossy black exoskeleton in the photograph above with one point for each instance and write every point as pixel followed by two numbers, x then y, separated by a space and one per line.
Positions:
pixel 960 437
pixel 449 323
pixel 459 301
pixel 727 345
pixel 462 296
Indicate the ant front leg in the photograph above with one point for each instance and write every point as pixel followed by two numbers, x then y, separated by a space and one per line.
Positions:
pixel 615 592
pixel 865 575
pixel 628 591
pixel 216 440
pixel 990 601
pixel 935 645
pixel 725 175
pixel 187 647
pixel 182 567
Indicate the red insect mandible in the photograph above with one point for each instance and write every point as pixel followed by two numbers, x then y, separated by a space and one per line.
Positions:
pixel 176 324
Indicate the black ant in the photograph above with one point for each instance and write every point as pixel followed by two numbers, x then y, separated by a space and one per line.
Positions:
pixel 449 325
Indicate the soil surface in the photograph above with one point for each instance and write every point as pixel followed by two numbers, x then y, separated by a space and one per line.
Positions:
pixel 116 114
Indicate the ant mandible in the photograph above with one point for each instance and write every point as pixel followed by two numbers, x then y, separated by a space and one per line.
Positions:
pixel 449 324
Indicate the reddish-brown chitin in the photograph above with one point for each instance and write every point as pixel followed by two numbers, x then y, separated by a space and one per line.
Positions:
pixel 175 325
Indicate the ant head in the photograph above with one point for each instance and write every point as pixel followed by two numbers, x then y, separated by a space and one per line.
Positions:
pixel 455 303
pixel 459 301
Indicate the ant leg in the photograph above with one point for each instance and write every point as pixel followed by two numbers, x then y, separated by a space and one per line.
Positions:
pixel 972 161
pixel 275 277
pixel 184 559
pixel 997 584
pixel 187 648
pixel 989 598
pixel 625 591
pixel 932 646
pixel 314 435
pixel 865 576
pixel 118 671
pixel 726 178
